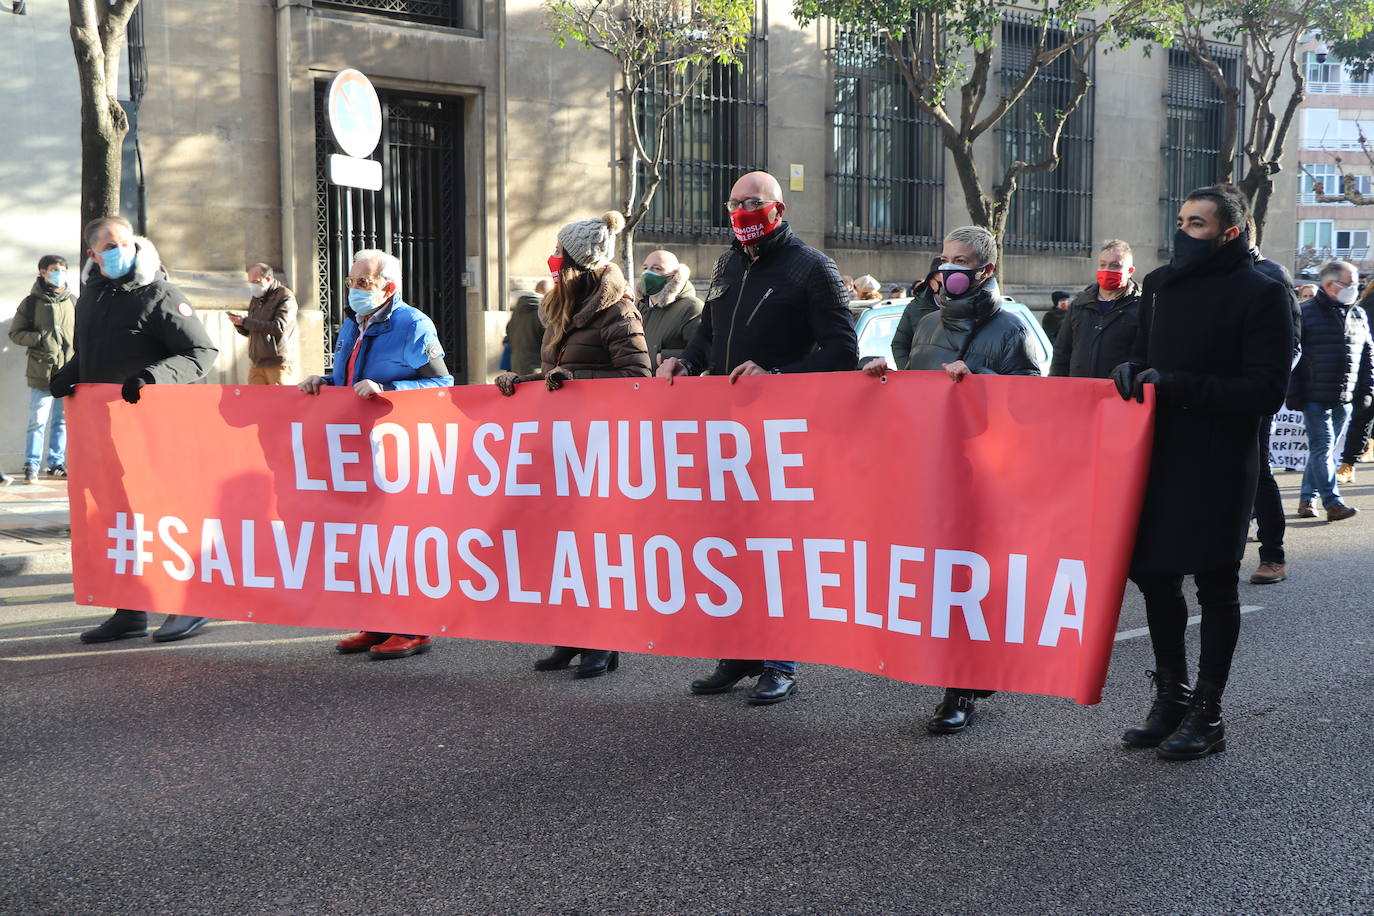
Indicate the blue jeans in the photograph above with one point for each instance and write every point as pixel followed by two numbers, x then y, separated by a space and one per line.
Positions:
pixel 1325 426
pixel 44 408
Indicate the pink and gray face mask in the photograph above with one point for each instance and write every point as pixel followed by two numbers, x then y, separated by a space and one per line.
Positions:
pixel 959 281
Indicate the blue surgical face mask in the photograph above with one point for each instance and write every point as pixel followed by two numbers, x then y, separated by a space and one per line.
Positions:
pixel 362 303
pixel 117 261
pixel 56 278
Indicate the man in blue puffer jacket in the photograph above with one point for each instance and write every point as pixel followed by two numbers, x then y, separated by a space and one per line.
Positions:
pixel 1335 372
pixel 384 345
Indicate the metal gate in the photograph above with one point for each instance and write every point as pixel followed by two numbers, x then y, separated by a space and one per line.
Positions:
pixel 417 216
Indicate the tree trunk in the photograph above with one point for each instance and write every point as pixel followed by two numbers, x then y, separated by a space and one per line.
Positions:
pixel 1259 208
pixel 102 143
pixel 98 30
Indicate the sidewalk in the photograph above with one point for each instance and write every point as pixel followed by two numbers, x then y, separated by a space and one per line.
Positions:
pixel 35 528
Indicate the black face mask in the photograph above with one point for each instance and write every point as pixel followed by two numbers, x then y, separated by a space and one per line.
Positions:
pixel 1190 252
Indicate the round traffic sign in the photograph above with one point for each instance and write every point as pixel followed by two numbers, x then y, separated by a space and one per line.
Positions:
pixel 354 113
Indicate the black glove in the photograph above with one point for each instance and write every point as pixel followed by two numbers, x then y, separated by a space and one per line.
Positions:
pixel 61 387
pixel 1124 377
pixel 556 377
pixel 132 389
pixel 1143 378
pixel 506 382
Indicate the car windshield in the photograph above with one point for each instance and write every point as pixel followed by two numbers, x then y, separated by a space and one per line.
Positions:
pixel 876 337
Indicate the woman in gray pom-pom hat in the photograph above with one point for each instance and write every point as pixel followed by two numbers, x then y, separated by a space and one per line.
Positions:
pixel 591 330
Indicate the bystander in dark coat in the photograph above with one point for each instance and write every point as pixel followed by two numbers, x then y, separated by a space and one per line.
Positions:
pixel 670 317
pixel 1091 343
pixel 525 334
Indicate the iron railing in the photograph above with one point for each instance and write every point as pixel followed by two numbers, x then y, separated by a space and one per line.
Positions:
pixel 1326 180
pixel 1195 127
pixel 1318 87
pixel 887 172
pixel 417 216
pixel 429 12
pixel 715 137
pixel 1051 210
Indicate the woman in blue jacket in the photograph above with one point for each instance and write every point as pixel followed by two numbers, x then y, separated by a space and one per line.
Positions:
pixel 384 345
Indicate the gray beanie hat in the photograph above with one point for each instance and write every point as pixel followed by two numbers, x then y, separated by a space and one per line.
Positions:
pixel 590 243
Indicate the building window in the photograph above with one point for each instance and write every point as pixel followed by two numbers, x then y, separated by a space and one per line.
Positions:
pixel 429 12
pixel 1314 237
pixel 1352 244
pixel 1051 209
pixel 887 182
pixel 1195 129
pixel 417 215
pixel 1324 128
pixel 1324 178
pixel 717 135
pixel 1327 75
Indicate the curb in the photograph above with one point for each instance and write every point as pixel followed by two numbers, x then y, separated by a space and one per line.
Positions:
pixel 52 560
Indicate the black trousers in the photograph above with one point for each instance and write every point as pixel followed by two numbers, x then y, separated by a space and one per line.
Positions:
pixel 1269 523
pixel 1166 610
pixel 1357 437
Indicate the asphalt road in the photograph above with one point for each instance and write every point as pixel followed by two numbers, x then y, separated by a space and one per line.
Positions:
pixel 252 770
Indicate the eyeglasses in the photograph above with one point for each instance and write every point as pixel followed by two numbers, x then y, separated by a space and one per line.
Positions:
pixel 749 203
pixel 366 283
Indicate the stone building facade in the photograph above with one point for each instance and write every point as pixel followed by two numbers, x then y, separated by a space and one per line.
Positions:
pixel 1336 113
pixel 494 137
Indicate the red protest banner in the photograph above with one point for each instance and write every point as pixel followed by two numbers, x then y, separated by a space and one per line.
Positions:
pixel 967 535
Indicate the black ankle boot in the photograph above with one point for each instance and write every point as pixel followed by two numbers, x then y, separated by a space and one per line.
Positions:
pixel 1172 694
pixel 558 659
pixel 955 711
pixel 1202 731
pixel 596 662
pixel 121 624
pixel 728 673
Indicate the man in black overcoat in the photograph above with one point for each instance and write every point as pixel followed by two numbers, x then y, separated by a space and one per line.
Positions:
pixel 1216 341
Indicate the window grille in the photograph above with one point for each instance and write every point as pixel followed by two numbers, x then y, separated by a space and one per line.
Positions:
pixel 1051 210
pixel 1195 115
pixel 429 12
pixel 887 177
pixel 717 135
pixel 417 216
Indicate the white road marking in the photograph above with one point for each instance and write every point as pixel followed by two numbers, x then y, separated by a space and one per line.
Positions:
pixel 165 647
pixel 161 647
pixel 1192 622
pixel 69 631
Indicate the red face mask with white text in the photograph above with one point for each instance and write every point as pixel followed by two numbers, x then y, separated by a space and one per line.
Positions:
pixel 752 225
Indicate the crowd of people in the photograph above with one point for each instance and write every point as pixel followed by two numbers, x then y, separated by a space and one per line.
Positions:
pixel 1217 332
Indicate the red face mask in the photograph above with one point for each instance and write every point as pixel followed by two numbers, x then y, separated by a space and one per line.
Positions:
pixel 555 265
pixel 1112 279
pixel 752 225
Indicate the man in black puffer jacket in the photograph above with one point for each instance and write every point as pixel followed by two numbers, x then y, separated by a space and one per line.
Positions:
pixel 1216 342
pixel 133 329
pixel 1336 370
pixel 775 305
